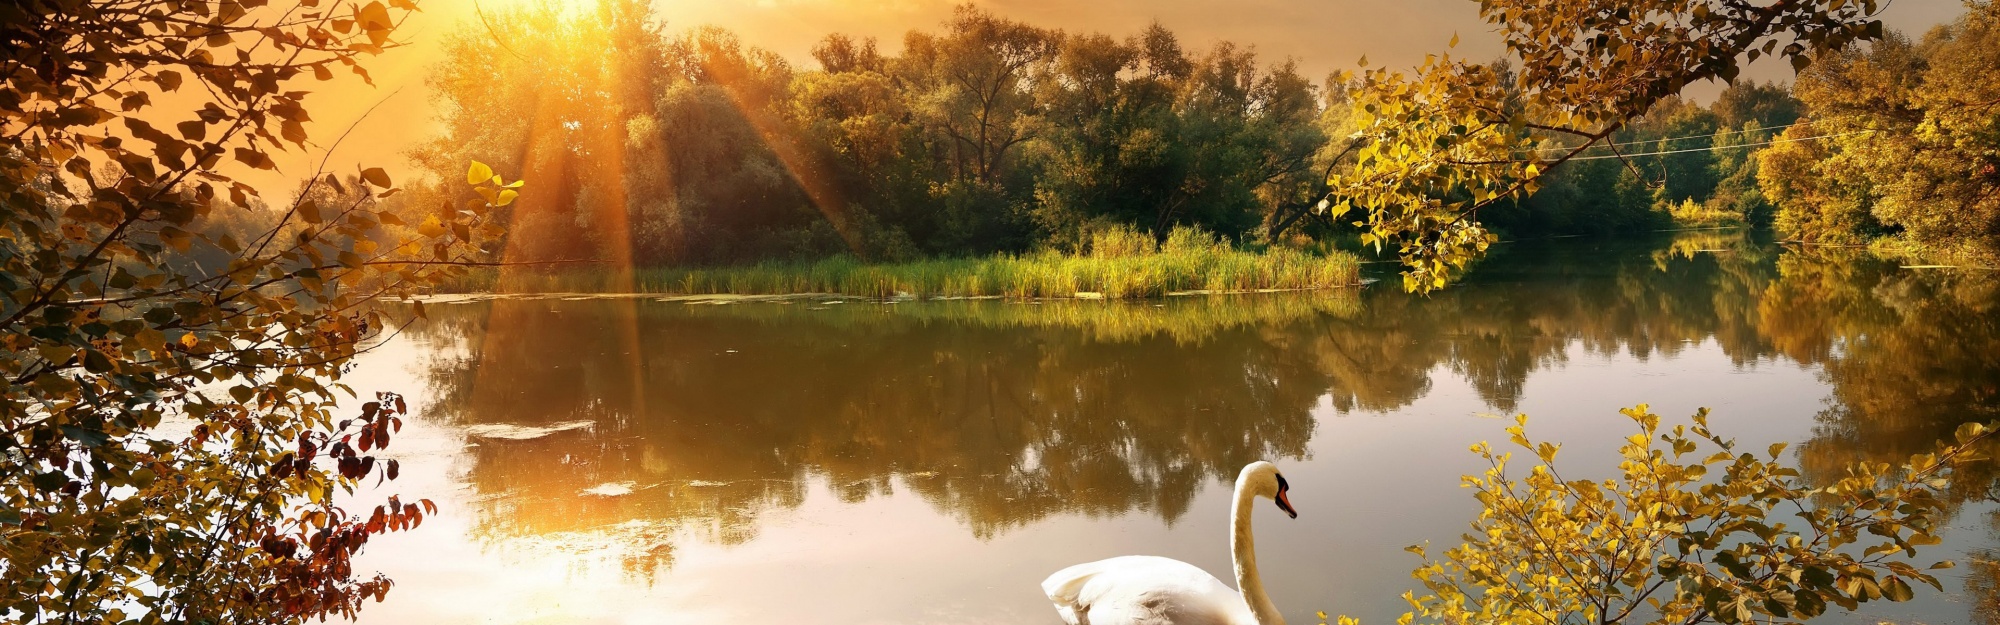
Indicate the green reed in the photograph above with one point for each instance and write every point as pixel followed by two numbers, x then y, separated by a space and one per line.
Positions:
pixel 1118 267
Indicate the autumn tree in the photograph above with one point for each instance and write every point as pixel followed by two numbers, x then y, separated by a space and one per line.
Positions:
pixel 1691 530
pixel 1442 143
pixel 1907 144
pixel 173 433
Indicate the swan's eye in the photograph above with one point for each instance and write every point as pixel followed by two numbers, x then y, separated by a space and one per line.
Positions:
pixel 1282 486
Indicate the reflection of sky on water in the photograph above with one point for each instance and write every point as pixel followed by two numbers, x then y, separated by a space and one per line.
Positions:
pixel 932 462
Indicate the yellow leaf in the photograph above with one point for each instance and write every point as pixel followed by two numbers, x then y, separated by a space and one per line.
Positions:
pixel 479 173
pixel 176 238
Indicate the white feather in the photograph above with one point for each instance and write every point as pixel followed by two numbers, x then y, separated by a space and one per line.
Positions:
pixel 1143 590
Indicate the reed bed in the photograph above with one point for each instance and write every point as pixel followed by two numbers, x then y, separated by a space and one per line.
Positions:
pixel 1116 267
pixel 1187 320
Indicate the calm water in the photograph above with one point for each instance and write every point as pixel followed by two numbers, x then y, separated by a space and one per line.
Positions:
pixel 867 462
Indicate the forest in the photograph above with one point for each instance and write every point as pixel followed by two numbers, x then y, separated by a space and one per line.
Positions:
pixel 988 135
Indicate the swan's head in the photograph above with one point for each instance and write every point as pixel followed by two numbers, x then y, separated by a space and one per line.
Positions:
pixel 1263 478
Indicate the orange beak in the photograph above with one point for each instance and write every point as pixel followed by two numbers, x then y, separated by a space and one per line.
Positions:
pixel 1285 504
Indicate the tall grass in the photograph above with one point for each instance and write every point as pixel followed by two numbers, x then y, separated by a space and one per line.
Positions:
pixel 1714 214
pixel 1118 265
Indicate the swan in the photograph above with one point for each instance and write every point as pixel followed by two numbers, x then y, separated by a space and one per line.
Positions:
pixel 1151 590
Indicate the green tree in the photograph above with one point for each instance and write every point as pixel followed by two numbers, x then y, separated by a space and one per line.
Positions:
pixel 974 81
pixel 171 435
pixel 987 136
pixel 1139 134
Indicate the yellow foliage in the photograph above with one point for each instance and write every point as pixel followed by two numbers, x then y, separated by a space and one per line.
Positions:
pixel 1683 537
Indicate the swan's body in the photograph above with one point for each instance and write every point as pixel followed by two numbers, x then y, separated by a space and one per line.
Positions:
pixel 1131 590
pixel 1150 590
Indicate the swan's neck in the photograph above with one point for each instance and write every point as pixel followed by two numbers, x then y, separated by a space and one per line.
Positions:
pixel 1244 547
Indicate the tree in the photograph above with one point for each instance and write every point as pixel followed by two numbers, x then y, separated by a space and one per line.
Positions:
pixel 1816 202
pixel 1680 538
pixel 170 448
pixel 987 136
pixel 1907 144
pixel 860 118
pixel 1137 133
pixel 1443 144
pixel 556 96
pixel 975 82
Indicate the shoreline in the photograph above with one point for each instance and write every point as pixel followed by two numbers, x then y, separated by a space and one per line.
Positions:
pixel 746 298
pixel 1203 268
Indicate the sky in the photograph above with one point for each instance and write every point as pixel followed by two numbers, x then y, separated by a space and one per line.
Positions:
pixel 1323 35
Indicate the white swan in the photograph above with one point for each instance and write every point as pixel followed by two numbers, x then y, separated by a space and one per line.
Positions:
pixel 1150 590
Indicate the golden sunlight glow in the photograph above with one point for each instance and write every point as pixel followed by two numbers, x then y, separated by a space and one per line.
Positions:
pixel 1321 35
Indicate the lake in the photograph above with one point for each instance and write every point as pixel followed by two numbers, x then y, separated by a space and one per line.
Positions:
pixel 842 461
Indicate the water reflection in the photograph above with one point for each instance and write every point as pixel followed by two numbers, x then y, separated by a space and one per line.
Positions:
pixel 1909 355
pixel 998 414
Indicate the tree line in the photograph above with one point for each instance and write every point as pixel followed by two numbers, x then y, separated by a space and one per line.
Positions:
pixel 989 135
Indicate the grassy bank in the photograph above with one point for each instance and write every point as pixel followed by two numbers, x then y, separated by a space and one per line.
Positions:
pixel 1118 266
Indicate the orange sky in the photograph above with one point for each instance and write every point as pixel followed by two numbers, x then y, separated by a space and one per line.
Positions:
pixel 1323 34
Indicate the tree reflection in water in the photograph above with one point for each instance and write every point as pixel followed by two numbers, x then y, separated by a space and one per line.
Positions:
pixel 1002 413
